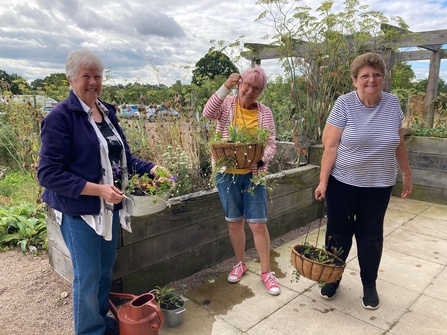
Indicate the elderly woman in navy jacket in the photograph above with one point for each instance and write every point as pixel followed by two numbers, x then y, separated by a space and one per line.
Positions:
pixel 84 161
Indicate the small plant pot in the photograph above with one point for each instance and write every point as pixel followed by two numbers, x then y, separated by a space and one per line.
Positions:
pixel 140 205
pixel 244 155
pixel 173 317
pixel 313 270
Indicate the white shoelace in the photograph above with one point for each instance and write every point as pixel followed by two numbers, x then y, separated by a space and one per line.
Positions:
pixel 271 279
pixel 238 269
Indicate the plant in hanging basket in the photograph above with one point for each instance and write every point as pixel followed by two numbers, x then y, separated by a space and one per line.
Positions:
pixel 148 195
pixel 317 264
pixel 242 149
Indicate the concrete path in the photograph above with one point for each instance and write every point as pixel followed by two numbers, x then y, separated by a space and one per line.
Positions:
pixel 412 287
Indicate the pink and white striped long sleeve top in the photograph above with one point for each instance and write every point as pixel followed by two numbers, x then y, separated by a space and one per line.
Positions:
pixel 221 107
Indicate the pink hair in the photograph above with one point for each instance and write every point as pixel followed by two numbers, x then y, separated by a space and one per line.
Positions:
pixel 255 74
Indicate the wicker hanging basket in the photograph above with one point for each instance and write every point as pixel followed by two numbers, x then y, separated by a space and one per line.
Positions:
pixel 313 270
pixel 244 155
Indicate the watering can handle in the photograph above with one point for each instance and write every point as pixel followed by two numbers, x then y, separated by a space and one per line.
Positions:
pixel 155 325
pixel 118 295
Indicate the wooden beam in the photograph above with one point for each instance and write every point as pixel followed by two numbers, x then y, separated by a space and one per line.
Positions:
pixel 262 51
pixel 423 39
pixel 408 56
pixel 430 40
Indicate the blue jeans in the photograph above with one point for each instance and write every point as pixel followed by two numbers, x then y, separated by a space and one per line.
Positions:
pixel 238 202
pixel 92 258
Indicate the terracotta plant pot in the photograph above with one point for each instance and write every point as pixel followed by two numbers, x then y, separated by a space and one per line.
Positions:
pixel 313 270
pixel 244 155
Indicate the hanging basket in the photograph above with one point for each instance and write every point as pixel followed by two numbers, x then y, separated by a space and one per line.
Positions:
pixel 313 270
pixel 140 205
pixel 244 155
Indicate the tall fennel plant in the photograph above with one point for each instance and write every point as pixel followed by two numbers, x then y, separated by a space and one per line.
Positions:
pixel 316 52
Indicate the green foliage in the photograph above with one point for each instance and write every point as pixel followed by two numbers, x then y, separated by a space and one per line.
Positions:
pixel 12 185
pixel 242 135
pixel 166 298
pixel 145 185
pixel 276 96
pixel 178 145
pixel 319 255
pixel 56 86
pixel 20 141
pixel 22 225
pixel 418 128
pixel 328 42
pixel 421 85
pixel 403 76
pixel 13 83
pixel 213 64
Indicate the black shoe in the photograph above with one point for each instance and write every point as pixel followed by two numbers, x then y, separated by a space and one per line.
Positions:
pixel 113 329
pixel 370 298
pixel 328 290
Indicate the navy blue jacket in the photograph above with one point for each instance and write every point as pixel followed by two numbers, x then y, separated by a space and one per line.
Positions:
pixel 70 157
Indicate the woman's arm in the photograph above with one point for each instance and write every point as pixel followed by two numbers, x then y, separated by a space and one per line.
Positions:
pixel 331 140
pixel 404 166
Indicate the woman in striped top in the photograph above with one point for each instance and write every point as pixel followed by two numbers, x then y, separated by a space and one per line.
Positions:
pixel 242 110
pixel 363 150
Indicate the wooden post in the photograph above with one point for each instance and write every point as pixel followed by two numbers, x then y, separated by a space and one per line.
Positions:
pixel 255 62
pixel 432 87
pixel 389 57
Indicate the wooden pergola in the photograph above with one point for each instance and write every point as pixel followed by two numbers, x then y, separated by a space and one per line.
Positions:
pixel 430 41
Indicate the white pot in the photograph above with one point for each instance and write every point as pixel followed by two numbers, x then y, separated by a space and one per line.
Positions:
pixel 140 205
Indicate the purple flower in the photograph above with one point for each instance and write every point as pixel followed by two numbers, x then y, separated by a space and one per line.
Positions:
pixel 173 178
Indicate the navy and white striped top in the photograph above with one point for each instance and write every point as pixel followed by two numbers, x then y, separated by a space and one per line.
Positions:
pixel 366 155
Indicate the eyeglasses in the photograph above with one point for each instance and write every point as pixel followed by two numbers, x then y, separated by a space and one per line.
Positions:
pixel 248 87
pixel 374 76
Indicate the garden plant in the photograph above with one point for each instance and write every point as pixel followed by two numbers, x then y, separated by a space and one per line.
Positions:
pixel 307 92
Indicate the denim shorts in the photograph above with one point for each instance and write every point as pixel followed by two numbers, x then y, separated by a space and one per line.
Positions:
pixel 238 202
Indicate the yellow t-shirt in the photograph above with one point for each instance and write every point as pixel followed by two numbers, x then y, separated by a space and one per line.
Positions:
pixel 249 119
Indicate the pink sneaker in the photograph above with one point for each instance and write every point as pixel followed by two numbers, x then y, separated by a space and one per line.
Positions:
pixel 271 283
pixel 236 274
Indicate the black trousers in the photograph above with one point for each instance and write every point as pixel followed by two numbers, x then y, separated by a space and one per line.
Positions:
pixel 360 212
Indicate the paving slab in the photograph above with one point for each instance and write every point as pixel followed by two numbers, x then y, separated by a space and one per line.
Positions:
pixel 427 247
pixel 305 315
pixel 394 300
pixel 408 205
pixel 412 286
pixel 438 288
pixel 243 304
pixel 428 225
pixel 404 270
pixel 426 316
pixel 198 320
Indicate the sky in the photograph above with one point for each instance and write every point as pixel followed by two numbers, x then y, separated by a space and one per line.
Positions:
pixel 152 41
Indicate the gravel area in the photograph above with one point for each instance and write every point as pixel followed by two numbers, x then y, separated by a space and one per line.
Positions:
pixel 34 299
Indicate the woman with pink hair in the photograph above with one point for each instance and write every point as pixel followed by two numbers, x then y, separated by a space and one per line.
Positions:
pixel 243 110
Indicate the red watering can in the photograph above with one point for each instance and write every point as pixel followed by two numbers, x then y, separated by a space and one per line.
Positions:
pixel 141 315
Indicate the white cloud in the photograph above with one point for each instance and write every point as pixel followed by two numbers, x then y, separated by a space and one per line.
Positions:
pixel 131 36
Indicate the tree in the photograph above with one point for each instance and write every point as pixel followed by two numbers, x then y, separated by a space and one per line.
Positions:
pixel 316 52
pixel 421 85
pixel 56 86
pixel 403 75
pixel 213 64
pixel 37 84
pixel 15 82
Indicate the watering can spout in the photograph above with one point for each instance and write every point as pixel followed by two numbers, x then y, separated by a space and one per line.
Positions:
pixel 140 315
